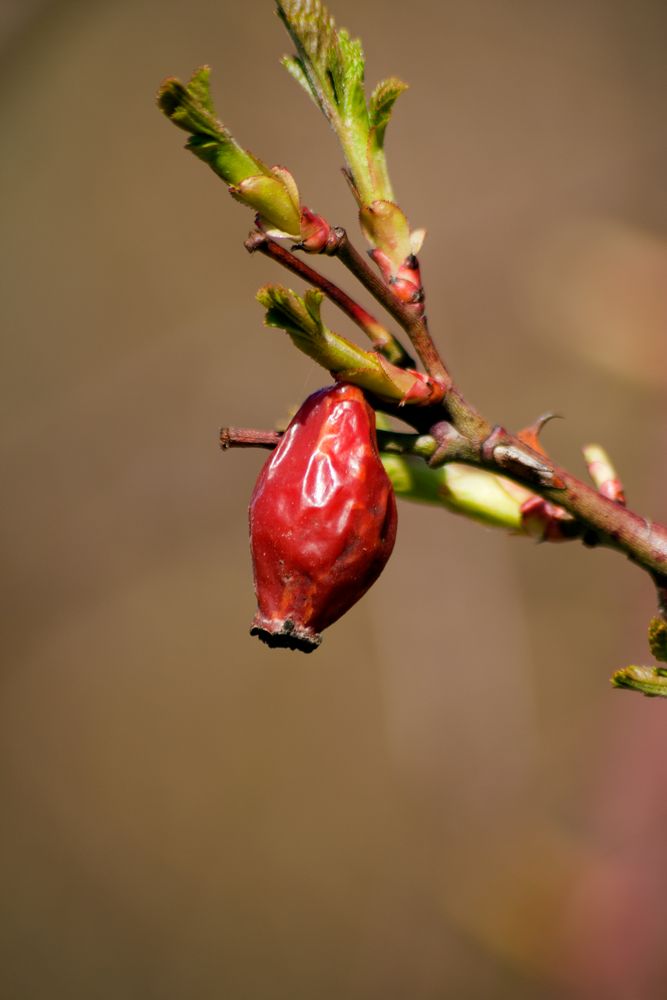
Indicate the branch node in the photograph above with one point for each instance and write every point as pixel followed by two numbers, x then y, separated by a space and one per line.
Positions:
pixel 517 461
pixel 488 446
pixel 449 443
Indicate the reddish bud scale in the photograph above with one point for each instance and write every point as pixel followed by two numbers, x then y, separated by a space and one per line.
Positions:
pixel 612 489
pixel 544 521
pixel 315 232
pixel 405 280
pixel 322 519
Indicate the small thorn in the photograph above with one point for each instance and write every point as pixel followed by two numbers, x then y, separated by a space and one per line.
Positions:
pixel 531 435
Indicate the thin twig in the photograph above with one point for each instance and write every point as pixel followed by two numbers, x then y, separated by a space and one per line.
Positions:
pixel 381 338
pixel 393 442
pixel 414 325
pixel 248 437
pixel 611 524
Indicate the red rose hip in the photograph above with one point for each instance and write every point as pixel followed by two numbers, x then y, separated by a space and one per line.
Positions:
pixel 322 519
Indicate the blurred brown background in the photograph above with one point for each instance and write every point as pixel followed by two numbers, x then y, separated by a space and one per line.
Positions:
pixel 448 799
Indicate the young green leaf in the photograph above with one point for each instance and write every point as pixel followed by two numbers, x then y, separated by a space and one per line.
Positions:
pixel 657 638
pixel 295 68
pixel 190 107
pixel 300 318
pixel 350 80
pixel 313 32
pixel 330 66
pixel 200 88
pixel 271 192
pixel 381 104
pixel 651 681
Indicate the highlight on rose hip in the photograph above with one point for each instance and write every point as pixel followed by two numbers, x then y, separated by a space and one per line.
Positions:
pixel 323 513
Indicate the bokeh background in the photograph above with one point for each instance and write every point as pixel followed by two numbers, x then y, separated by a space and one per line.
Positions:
pixel 448 799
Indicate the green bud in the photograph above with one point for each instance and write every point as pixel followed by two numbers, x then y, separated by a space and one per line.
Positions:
pixel 271 192
pixel 272 199
pixel 190 107
pixel 472 492
pixel 330 66
pixel 651 681
pixel 300 318
pixel 386 227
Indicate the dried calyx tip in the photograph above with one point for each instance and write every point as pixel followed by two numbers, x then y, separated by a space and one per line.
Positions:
pixel 287 636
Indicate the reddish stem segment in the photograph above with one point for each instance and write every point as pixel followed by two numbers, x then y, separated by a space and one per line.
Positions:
pixel 611 524
pixel 414 324
pixel 379 336
pixel 391 441
pixel 643 541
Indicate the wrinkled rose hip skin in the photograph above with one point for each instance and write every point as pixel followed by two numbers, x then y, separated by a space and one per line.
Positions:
pixel 322 519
